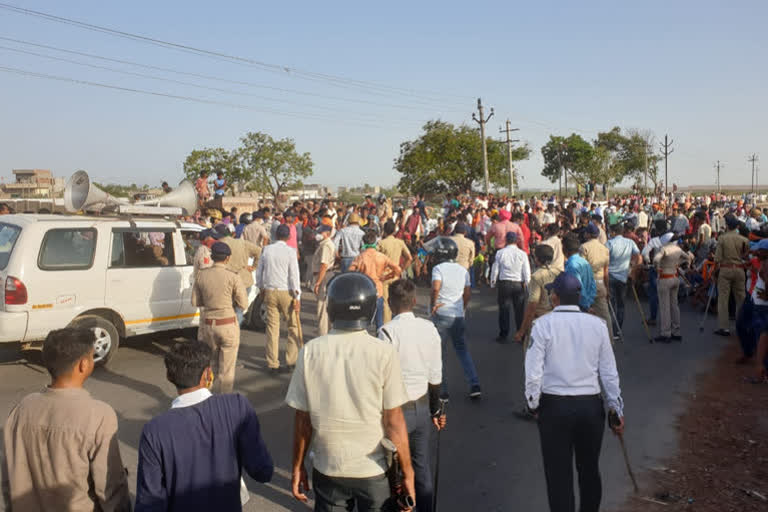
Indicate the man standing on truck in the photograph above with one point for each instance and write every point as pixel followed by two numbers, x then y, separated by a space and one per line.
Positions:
pixel 217 290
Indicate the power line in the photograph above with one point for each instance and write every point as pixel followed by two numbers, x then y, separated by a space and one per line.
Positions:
pixel 424 106
pixel 275 68
pixel 170 80
pixel 299 115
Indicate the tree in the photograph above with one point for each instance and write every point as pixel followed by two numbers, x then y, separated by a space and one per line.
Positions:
pixel 572 154
pixel 210 160
pixel 269 166
pixel 447 158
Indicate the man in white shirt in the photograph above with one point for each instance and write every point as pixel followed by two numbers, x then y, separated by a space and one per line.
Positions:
pixel 512 272
pixel 570 354
pixel 277 277
pixel 418 344
pixel 347 391
pixel 450 296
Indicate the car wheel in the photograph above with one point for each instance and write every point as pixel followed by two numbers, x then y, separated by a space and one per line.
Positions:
pixel 257 315
pixel 107 337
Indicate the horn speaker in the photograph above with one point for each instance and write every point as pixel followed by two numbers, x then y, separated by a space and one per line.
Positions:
pixel 81 194
pixel 184 197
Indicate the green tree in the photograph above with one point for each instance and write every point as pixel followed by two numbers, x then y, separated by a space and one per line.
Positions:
pixel 572 154
pixel 447 158
pixel 210 160
pixel 270 166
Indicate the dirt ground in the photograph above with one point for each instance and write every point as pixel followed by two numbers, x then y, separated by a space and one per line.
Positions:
pixel 722 463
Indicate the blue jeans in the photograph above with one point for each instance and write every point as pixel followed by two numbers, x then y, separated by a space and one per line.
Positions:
pixel 379 318
pixel 653 293
pixel 345 263
pixel 453 328
pixel 419 424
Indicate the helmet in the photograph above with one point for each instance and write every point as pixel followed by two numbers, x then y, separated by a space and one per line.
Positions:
pixel 381 198
pixel 351 301
pixel 444 249
pixel 245 218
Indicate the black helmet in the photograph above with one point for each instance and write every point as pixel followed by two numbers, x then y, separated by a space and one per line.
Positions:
pixel 351 301
pixel 245 218
pixel 444 249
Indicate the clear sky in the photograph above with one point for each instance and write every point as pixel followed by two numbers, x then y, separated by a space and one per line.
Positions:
pixel 694 69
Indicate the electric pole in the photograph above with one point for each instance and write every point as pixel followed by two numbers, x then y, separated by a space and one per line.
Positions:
pixel 754 159
pixel 509 141
pixel 481 120
pixel 717 166
pixel 666 146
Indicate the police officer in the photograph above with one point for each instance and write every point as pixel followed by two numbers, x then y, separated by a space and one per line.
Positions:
pixel 418 345
pixel 202 258
pixel 598 257
pixel 539 303
pixel 239 262
pixel 666 261
pixel 449 299
pixel 322 263
pixel 347 391
pixel 349 241
pixel 570 350
pixel 218 290
pixel 730 253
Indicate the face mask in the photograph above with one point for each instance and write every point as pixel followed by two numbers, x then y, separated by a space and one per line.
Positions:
pixel 319 237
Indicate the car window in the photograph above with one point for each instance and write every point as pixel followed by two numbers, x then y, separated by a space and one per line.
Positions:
pixel 67 249
pixel 135 248
pixel 8 236
pixel 191 243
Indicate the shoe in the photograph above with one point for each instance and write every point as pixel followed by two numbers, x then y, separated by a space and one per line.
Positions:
pixel 501 339
pixel 288 368
pixel 274 372
pixel 662 339
pixel 651 321
pixel 677 337
pixel 723 332
pixel 616 337
pixel 475 392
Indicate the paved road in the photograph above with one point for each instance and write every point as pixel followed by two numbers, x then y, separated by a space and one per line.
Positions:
pixel 491 459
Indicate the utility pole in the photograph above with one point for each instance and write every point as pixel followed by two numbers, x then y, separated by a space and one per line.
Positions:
pixel 509 152
pixel 753 159
pixel 481 120
pixel 718 166
pixel 666 146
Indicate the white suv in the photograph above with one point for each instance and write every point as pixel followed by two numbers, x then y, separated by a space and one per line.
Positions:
pixel 118 276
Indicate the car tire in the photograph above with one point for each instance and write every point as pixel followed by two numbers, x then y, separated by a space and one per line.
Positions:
pixel 256 317
pixel 107 337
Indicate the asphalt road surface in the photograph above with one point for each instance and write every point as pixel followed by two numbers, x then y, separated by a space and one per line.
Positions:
pixel 490 459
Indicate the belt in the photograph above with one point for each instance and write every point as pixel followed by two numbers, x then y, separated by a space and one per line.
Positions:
pixel 220 321
pixel 547 396
pixel 667 276
pixel 730 265
pixel 423 399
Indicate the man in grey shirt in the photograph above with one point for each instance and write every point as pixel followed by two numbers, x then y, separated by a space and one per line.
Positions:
pixel 349 241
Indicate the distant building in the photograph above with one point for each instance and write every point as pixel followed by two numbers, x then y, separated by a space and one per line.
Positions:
pixel 31 183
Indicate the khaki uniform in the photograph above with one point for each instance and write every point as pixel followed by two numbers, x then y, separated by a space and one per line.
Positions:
pixel 396 250
pixel 242 250
pixel 598 256
pixel 466 251
pixel 217 290
pixel 538 294
pixel 255 232
pixel 558 260
pixel 667 261
pixel 731 248
pixel 602 237
pixel 202 260
pixel 324 254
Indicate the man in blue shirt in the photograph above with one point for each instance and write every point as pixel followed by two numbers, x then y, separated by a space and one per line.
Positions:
pixel 623 252
pixel 580 268
pixel 190 457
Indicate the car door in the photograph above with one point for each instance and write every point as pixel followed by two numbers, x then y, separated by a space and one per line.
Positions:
pixel 143 282
pixel 190 241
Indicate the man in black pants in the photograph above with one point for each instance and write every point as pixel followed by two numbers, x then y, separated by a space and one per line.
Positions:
pixel 512 272
pixel 569 351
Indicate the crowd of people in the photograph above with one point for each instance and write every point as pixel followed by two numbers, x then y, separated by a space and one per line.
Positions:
pixel 565 269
